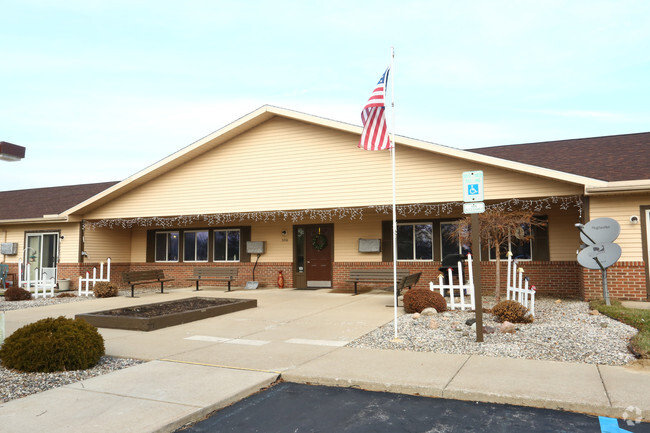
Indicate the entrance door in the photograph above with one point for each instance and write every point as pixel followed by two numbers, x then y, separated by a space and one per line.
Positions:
pixel 313 253
pixel 42 253
pixel 646 215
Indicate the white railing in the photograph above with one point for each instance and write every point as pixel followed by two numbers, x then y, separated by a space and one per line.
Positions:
pixel 517 286
pixel 463 289
pixel 90 282
pixel 42 287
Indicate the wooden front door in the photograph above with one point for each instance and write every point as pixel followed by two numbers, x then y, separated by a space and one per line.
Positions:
pixel 313 253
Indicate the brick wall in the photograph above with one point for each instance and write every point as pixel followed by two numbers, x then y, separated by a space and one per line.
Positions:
pixel 625 280
pixel 560 279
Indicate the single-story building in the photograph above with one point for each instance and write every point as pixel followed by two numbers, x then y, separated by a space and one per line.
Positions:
pixel 300 184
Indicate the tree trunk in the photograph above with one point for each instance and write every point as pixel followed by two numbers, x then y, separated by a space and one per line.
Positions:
pixel 497 279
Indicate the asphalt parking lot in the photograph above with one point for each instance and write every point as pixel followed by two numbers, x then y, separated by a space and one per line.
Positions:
pixel 289 407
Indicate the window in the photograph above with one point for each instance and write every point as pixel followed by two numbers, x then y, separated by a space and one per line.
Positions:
pixel 415 241
pixel 195 247
pixel 451 246
pixel 521 249
pixel 166 246
pixel 226 245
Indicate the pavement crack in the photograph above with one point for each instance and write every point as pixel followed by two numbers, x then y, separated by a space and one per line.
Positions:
pixel 444 388
pixel 600 374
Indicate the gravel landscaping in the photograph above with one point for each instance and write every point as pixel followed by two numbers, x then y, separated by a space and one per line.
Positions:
pixel 562 331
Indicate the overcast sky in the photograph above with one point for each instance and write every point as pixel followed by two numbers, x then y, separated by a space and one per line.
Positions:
pixel 98 90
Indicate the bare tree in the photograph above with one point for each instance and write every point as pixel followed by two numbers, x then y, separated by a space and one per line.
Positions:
pixel 497 228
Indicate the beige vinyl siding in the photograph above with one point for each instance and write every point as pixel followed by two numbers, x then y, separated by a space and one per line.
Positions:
pixel 621 207
pixel 563 237
pixel 139 245
pixel 278 248
pixel 347 235
pixel 285 164
pixel 102 243
pixel 68 246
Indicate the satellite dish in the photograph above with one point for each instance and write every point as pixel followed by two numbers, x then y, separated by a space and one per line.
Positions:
pixel 606 253
pixel 600 230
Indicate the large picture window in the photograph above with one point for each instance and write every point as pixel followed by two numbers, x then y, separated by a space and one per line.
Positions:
pixel 521 249
pixel 195 247
pixel 167 246
pixel 226 245
pixel 449 245
pixel 415 241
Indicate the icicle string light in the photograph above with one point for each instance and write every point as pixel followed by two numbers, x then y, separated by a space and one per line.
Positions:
pixel 323 215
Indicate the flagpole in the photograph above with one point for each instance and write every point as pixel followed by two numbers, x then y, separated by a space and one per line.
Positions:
pixel 392 152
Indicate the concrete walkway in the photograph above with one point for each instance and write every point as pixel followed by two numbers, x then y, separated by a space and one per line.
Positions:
pixel 202 366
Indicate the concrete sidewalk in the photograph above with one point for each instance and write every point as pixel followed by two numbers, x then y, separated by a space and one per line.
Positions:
pixel 201 366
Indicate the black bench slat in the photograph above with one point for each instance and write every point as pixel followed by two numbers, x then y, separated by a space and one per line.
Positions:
pixel 214 274
pixel 134 278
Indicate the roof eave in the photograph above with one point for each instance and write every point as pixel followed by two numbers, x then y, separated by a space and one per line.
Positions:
pixel 624 186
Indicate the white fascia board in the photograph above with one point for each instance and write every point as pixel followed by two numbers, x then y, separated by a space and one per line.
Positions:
pixel 624 186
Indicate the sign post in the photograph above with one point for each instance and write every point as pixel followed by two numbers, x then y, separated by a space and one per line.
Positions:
pixel 473 198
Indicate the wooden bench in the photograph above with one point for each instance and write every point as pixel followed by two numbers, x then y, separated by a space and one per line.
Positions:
pixel 133 278
pixel 374 276
pixel 406 283
pixel 214 274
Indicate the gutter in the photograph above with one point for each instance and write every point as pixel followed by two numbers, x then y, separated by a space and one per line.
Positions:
pixel 43 219
pixel 626 186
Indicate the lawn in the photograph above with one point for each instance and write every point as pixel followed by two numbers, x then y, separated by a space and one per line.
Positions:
pixel 640 319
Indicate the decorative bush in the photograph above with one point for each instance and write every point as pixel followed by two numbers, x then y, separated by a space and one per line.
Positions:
pixel 66 295
pixel 105 289
pixel 50 344
pixel 511 311
pixel 416 300
pixel 17 294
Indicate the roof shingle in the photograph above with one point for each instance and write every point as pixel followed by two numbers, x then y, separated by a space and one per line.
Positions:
pixel 34 203
pixel 609 158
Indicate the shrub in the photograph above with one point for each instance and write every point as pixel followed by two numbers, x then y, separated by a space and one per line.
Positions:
pixel 66 295
pixel 105 289
pixel 416 300
pixel 511 311
pixel 50 345
pixel 17 294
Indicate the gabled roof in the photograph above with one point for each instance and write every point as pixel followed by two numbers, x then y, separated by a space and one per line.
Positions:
pixel 611 158
pixel 266 113
pixel 37 202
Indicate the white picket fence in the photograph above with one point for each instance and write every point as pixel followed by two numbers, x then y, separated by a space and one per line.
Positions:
pixel 43 287
pixel 517 286
pixel 90 282
pixel 461 288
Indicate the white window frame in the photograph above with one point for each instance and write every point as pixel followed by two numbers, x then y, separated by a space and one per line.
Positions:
pixel 214 242
pixel 430 223
pixel 195 246
pixel 168 232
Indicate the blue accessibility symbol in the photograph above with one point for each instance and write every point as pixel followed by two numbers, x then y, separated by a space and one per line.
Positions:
pixel 472 189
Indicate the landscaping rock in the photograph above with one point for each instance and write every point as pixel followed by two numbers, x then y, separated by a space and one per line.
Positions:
pixel 488 330
pixel 507 328
pixel 470 322
pixel 594 312
pixel 429 311
pixel 416 315
pixel 433 324
pixel 465 333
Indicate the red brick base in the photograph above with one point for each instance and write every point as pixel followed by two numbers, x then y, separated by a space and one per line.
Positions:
pixel 626 280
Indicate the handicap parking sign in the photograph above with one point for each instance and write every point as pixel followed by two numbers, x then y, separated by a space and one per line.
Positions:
pixel 473 186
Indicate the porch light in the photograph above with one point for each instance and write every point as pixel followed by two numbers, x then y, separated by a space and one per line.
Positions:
pixel 11 152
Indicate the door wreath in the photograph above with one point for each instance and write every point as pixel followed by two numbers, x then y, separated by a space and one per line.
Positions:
pixel 319 242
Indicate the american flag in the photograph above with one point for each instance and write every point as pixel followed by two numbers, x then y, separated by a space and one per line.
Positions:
pixel 373 116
